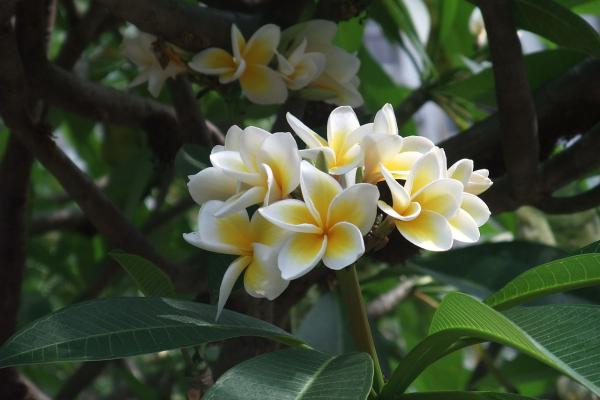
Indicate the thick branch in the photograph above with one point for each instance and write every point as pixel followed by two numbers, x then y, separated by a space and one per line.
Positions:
pixel 518 121
pixel 186 25
pixel 571 204
pixel 193 125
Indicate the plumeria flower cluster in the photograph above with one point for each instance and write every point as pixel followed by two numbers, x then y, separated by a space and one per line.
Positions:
pixel 270 63
pixel 321 204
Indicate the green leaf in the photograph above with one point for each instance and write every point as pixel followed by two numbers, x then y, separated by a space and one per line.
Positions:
pixel 126 326
pixel 563 337
pixel 297 374
pixel 557 23
pixel 554 277
pixel 463 396
pixel 149 279
pixel 541 67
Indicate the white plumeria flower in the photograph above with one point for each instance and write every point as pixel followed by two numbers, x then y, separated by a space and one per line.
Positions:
pixel 422 207
pixel 328 225
pixel 266 167
pixel 249 61
pixel 338 83
pixel 473 211
pixel 255 241
pixel 300 68
pixel 342 148
pixel 385 147
pixel 139 50
pixel 477 27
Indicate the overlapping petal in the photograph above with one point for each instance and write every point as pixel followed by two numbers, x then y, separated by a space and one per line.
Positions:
pixel 292 215
pixel 300 254
pixel 262 278
pixel 232 274
pixel 385 121
pixel 261 46
pixel 280 152
pixel 211 184
pixel 356 205
pixel 262 85
pixel 427 169
pixel 442 196
pixel 318 189
pixel 430 231
pixel 344 245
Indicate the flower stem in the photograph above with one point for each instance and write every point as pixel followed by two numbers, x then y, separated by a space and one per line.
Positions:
pixel 359 322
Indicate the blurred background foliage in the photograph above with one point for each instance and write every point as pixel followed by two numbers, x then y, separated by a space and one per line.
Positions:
pixel 432 53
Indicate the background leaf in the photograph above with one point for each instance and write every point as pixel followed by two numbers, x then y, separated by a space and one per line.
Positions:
pixel 463 396
pixel 296 374
pixel 149 279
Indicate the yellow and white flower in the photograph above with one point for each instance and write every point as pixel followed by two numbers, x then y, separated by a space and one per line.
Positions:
pixel 256 243
pixel 338 83
pixel 249 64
pixel 140 51
pixel 328 225
pixel 385 147
pixel 422 208
pixel 266 167
pixel 473 211
pixel 342 148
pixel 300 68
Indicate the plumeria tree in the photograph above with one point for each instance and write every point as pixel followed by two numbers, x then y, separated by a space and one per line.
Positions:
pixel 243 200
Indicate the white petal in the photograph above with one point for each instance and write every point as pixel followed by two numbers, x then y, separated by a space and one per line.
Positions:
pixel 479 182
pixel 231 276
pixel 213 61
pixel 233 138
pixel 461 171
pixel 412 212
pixel 341 122
pixel 242 200
pixel 251 141
pixel 429 231
pixel 156 80
pixel 238 43
pixel 261 46
pixel 419 144
pixel 464 228
pixel 476 208
pixel 292 215
pixel 318 190
pixel 442 196
pixel 341 64
pixel 426 170
pixel 262 85
pixel 232 164
pixel 211 184
pixel 280 152
pixel 228 235
pixel 385 121
pixel 400 197
pixel 307 135
pixel 273 192
pixel 267 233
pixel 301 253
pixel 344 246
pixel 263 278
pixel 356 205
pixel 379 149
pixel 352 157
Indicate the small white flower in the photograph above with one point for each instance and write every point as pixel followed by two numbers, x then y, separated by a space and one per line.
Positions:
pixel 300 68
pixel 140 51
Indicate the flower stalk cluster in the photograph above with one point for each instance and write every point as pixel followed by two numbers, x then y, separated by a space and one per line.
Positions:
pixel 267 66
pixel 316 205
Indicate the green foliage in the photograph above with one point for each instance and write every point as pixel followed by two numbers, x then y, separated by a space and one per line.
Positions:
pixel 297 374
pixel 121 327
pixel 148 278
pixel 462 396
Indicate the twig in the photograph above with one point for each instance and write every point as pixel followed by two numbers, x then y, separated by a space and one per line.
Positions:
pixel 193 125
pixel 518 120
pixel 571 204
pixel 386 302
pixel 63 220
pixel 430 301
pixel 81 379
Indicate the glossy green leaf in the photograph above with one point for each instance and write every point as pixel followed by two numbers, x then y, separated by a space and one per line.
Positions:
pixel 553 21
pixel 127 326
pixel 149 279
pixel 562 337
pixel 554 277
pixel 463 396
pixel 297 374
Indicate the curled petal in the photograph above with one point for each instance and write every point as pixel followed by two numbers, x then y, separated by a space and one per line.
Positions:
pixel 344 246
pixel 231 276
pixel 417 144
pixel 301 253
pixel 385 121
pixel 213 61
pixel 379 149
pixel 242 200
pixel 233 138
pixel 273 192
pixel 318 189
pixel 231 234
pixel 427 169
pixel 479 182
pixel 238 43
pixel 232 164
pixel 410 213
pixel 211 184
pixel 464 227
pixel 400 197
pixel 263 278
pixel 261 46
pixel 429 231
pixel 461 171
pixel 307 135
pixel 280 152
pixel 442 196
pixel 476 208
pixel 356 205
pixel 341 122
pixel 156 80
pixel 262 85
pixel 292 215
pixel 351 158
pixel 250 143
pixel 234 73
